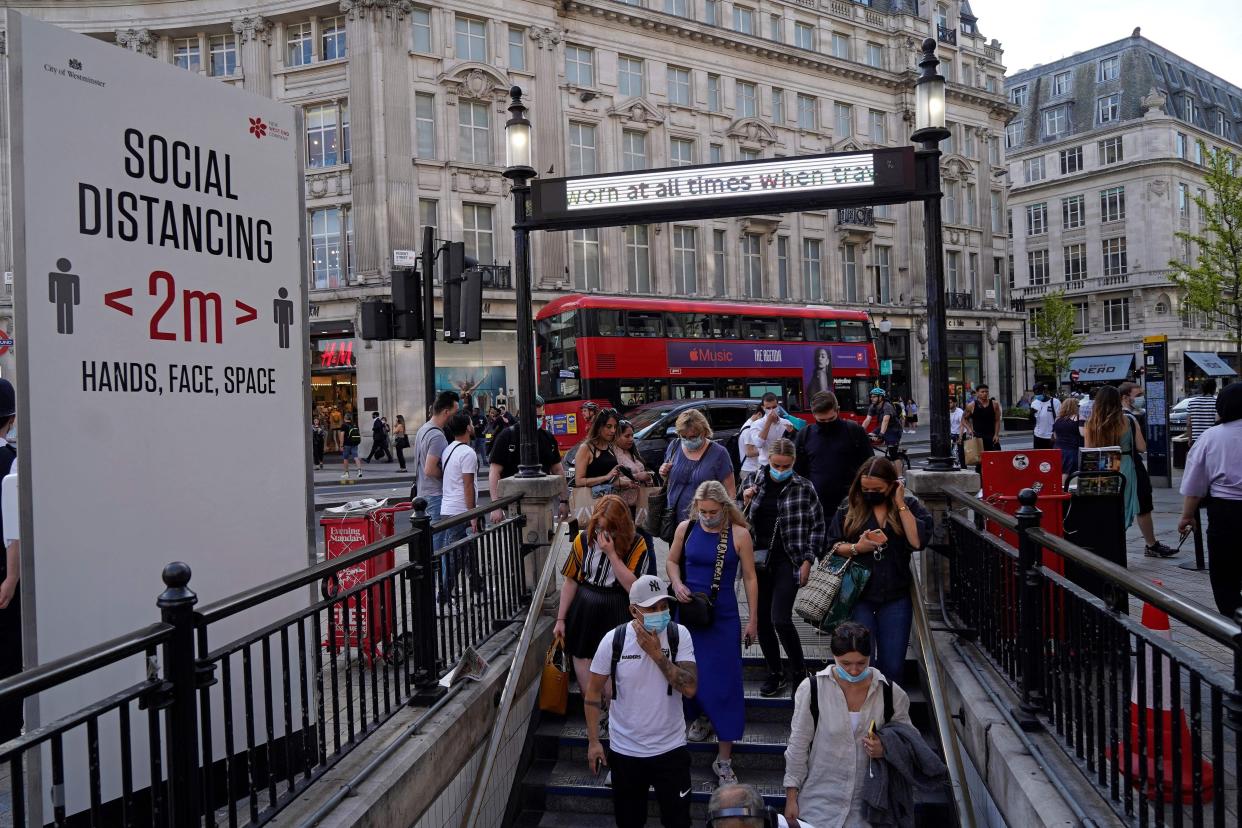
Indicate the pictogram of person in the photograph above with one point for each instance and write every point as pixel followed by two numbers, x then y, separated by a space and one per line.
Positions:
pixel 283 311
pixel 63 291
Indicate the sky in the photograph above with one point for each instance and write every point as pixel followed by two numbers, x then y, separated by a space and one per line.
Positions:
pixel 1047 30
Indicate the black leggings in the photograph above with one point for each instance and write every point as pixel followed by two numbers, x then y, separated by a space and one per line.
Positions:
pixel 777 589
pixel 1224 566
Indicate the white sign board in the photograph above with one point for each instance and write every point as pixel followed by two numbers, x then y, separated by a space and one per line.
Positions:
pixel 405 258
pixel 162 379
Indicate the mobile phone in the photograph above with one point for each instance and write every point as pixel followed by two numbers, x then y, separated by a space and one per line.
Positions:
pixel 597 765
pixel 871 730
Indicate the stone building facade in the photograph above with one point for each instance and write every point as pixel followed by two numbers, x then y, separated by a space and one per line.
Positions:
pixel 1106 156
pixel 404 106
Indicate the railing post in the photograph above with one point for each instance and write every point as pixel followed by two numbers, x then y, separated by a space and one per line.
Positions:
pixel 176 605
pixel 426 677
pixel 1233 701
pixel 1030 613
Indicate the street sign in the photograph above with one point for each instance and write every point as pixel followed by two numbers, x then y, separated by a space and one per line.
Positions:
pixel 886 367
pixel 163 399
pixel 405 258
pixel 1156 388
pixel 6 343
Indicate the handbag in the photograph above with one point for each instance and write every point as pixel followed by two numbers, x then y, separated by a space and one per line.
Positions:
pixel 816 598
pixel 763 555
pixel 403 441
pixel 853 581
pixel 973 449
pixel 554 683
pixel 701 610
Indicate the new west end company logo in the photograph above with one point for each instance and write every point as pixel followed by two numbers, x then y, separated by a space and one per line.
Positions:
pixel 257 128
pixel 260 128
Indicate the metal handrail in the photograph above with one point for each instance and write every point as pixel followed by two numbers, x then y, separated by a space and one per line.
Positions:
pixel 76 665
pixel 475 802
pixel 992 513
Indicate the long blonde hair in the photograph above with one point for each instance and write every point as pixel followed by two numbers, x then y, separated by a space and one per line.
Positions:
pixel 715 490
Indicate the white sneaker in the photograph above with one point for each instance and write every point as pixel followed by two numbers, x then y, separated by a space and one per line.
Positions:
pixel 359 474
pixel 608 780
pixel 700 729
pixel 724 772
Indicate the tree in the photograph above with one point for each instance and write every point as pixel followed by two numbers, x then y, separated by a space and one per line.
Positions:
pixel 1212 282
pixel 1055 341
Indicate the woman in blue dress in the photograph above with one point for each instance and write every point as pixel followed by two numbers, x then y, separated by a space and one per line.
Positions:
pixel 719 702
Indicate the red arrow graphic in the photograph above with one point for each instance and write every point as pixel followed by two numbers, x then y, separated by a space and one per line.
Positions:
pixel 250 313
pixel 111 299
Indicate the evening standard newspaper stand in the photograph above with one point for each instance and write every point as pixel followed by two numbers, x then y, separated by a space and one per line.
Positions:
pixel 364 621
pixel 1006 473
pixel 1095 519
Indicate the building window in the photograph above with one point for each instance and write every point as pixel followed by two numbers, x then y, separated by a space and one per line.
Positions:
pixel 1108 108
pixel 968 141
pixel 186 54
pixel 804 35
pixel 677 7
pixel 517 48
pixel 849 271
pixel 680 152
pixel 1113 204
pixel 972 273
pixel 1109 69
pixel 1110 151
pixel 678 86
pixel 711 12
pixel 579 66
pixel 952 269
pixel 1082 318
pixel 994 153
pixel 685 261
pixel 582 149
pixel 875 55
pixel 714 103
pixel 1033 169
pixel 329 259
pixel 1037 219
pixel 1190 110
pixel 998 279
pixel 776 28
pixel 299 43
pixel 778 105
pixel 1071 161
pixel 630 73
pixel 747 100
pixel 1056 121
pixel 1180 145
pixel 586 259
pixel 1199 153
pixel 1116 315
pixel 471 39
pixel 950 202
pixel 743 20
pixel 949 145
pixel 969 197
pixel 998 226
pixel 753 266
pixel 1183 200
pixel 1061 84
pixel 428 216
pixel 747 154
pixel 1017 95
pixel 223 55
pixel 840 46
pixel 843 120
pixel 1075 262
pixel 633 150
pixel 421 20
pixel 476 232
pixel 1073 212
pixel 474 132
pixel 638 258
pixel 332 43
pixel 1202 202
pixel 425 124
pixel 327 135
pixel 884 273
pixel 879 127
pixel 813 270
pixel 1013 134
pixel 1037 266
pixel 942 15
pixel 782 267
pixel 1114 251
pixel 806 112
pixel 715 154
pixel 720 263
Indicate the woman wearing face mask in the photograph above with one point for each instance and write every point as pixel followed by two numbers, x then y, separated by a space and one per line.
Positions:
pixel 880 526
pixel 604 561
pixel 787 520
pixel 720 702
pixel 692 460
pixel 827 763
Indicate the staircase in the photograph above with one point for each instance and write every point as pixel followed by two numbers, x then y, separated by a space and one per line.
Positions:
pixel 558 791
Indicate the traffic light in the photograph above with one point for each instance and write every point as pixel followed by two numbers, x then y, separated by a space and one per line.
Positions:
pixel 377 320
pixel 407 304
pixel 463 294
pixel 470 306
pixel 452 264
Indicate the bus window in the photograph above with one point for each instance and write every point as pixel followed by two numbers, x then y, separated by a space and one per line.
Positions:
pixel 558 343
pixel 758 389
pixel 645 323
pixel 853 330
pixel 733 390
pixel 793 330
pixel 610 322
pixel 724 327
pixel 760 327
pixel 695 325
pixel 675 325
pixel 827 330
pixel 693 390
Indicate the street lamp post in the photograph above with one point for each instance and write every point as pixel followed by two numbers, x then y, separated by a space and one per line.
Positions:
pixel 520 170
pixel 885 325
pixel 930 130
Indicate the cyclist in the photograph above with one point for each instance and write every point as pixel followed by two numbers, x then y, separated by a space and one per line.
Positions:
pixel 888 425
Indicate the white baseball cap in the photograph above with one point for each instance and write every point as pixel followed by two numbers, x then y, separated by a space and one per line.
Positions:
pixel 648 590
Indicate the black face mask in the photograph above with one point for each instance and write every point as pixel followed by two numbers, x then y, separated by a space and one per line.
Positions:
pixel 874 498
pixel 825 428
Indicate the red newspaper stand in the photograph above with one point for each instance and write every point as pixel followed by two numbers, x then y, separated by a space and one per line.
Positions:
pixel 368 627
pixel 1005 473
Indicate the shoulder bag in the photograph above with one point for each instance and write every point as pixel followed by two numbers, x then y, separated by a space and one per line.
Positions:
pixel 661 507
pixel 825 601
pixel 763 554
pixel 701 611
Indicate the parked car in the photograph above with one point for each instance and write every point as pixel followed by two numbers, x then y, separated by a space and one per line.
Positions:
pixel 1177 417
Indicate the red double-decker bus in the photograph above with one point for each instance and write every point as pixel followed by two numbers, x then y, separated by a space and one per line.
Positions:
pixel 623 352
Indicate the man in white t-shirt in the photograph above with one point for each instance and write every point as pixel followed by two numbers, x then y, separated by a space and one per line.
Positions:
pixel 654 669
pixel 1045 408
pixel 460 466
pixel 955 430
pixel 748 446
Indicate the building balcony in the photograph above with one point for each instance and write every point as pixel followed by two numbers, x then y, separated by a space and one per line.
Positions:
pixel 1095 284
pixel 959 301
pixel 497 277
pixel 856 217
pixel 946 35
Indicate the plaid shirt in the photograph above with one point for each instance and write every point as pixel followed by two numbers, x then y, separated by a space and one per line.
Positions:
pixel 799 516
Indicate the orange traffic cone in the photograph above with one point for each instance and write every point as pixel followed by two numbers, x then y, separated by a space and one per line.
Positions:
pixel 1143 745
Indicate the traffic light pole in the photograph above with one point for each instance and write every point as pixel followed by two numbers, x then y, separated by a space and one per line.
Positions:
pixel 429 317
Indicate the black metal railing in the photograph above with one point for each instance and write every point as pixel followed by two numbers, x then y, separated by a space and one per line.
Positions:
pixel 237 730
pixel 857 216
pixel 959 301
pixel 496 276
pixel 946 35
pixel 1153 724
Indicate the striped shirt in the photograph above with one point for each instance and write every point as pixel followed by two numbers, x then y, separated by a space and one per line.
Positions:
pixel 590 565
pixel 1200 415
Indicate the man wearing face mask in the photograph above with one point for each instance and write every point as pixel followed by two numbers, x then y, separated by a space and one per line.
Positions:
pixel 830 453
pixel 652 669
pixel 1132 402
pixel 10 563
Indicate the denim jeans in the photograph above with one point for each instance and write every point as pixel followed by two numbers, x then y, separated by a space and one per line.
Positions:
pixel 889 622
pixel 451 562
pixel 433 512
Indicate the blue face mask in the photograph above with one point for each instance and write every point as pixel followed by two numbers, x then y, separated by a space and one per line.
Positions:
pixel 693 443
pixel 657 622
pixel 780 476
pixel 1041 397
pixel 844 676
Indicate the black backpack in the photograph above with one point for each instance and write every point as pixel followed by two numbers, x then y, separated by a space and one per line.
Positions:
pixel 885 687
pixel 618 644
pixel 352 437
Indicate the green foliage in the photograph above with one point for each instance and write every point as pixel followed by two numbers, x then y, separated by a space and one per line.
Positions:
pixel 1016 413
pixel 1055 341
pixel 1212 283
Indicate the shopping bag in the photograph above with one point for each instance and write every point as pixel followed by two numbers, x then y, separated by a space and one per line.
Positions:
pixel 853 582
pixel 554 684
pixel 974 451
